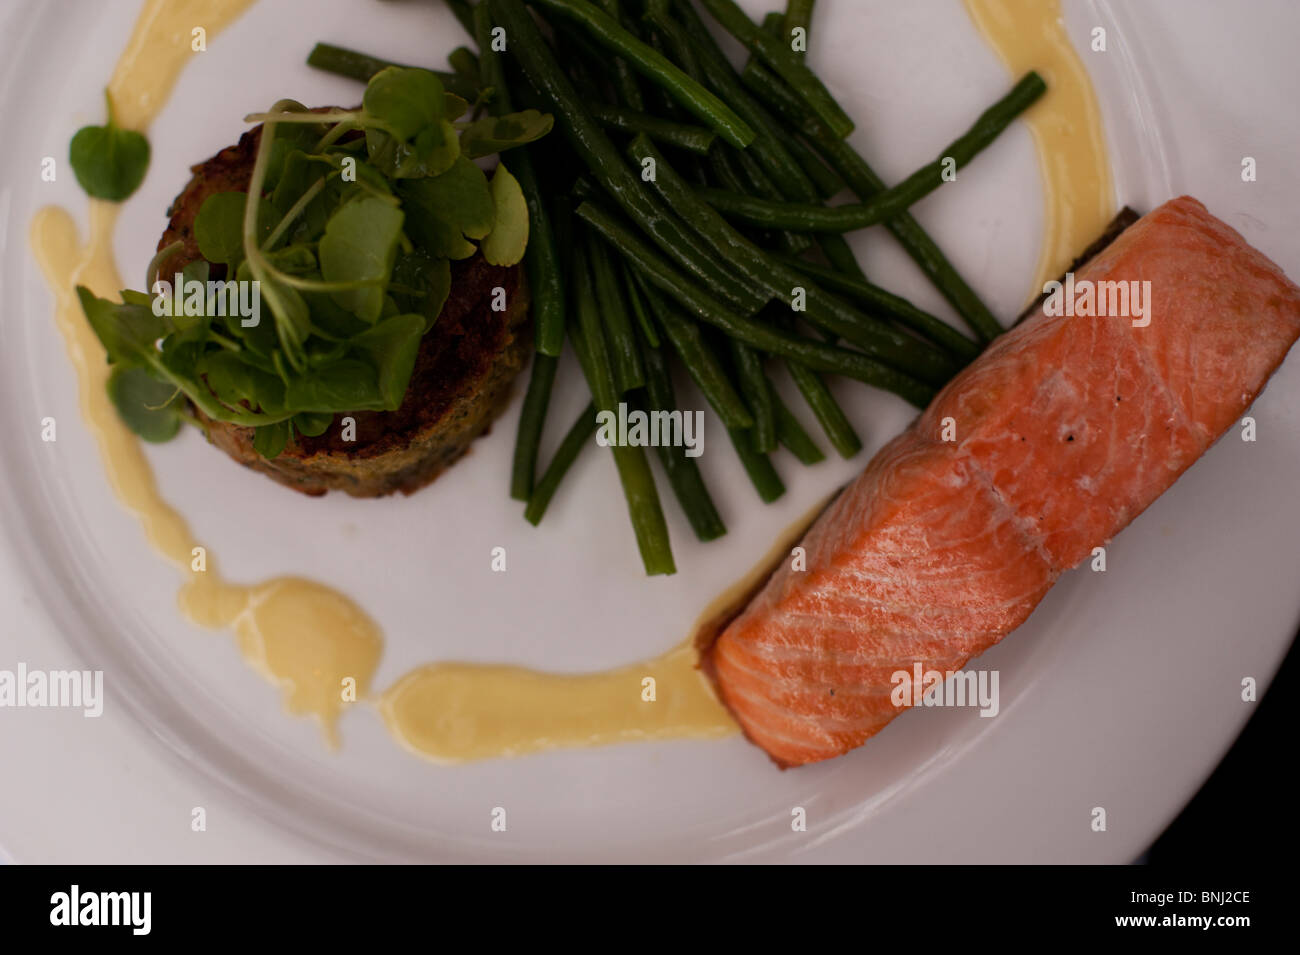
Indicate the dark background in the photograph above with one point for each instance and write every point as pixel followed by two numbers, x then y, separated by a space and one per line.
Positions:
pixel 1245 812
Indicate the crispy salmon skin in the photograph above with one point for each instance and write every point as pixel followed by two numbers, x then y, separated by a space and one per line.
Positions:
pixel 1066 429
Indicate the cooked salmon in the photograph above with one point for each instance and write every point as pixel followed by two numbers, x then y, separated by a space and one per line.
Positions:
pixel 1045 447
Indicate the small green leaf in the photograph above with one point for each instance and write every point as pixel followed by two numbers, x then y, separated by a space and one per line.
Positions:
pixel 149 407
pixel 312 424
pixel 431 153
pixel 421 283
pixel 127 332
pixel 235 382
pixel 407 132
pixel 292 317
pixel 506 243
pixel 494 134
pixel 108 161
pixel 293 260
pixel 348 385
pixel 302 172
pixel 454 107
pixel 392 346
pixel 329 320
pixel 219 227
pixel 270 439
pixel 404 100
pixel 446 209
pixel 359 246
pixel 290 138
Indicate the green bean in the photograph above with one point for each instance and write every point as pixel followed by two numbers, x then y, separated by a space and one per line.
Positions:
pixel 787 64
pixel 705 307
pixel 463 11
pixel 826 179
pixel 823 177
pixel 532 419
pixel 624 353
pixel 722 164
pixel 862 179
pixel 765 272
pixel 793 435
pixel 773 24
pixel 541 257
pixel 588 333
pixel 575 48
pixel 758 466
pixel 683 472
pixel 663 104
pixel 758 183
pixel 805 217
pixel 362 66
pixel 711 65
pixel 561 210
pixel 829 414
pixel 643 506
pixel 798 15
pixel 594 148
pixel 696 139
pixel 636 302
pixel 840 255
pixel 880 301
pixel 624 79
pixel 724 168
pixel 757 392
pixel 465 63
pixel 574 441
pixel 655 67
pixel 698 358
pixel 584 187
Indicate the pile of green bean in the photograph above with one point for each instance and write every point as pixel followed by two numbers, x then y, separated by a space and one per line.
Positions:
pixel 683 211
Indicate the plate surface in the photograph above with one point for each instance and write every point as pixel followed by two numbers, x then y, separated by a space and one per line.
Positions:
pixel 1123 689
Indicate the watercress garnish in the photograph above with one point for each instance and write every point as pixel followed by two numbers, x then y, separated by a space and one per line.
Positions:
pixel 109 161
pixel 358 249
pixel 151 408
pixel 509 236
pixel 495 134
pixel 349 226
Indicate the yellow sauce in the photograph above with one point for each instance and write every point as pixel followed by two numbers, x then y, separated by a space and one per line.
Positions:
pixel 1066 125
pixel 304 638
pixel 453 712
pixel 318 646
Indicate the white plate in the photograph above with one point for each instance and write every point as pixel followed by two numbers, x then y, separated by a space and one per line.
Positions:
pixel 1122 691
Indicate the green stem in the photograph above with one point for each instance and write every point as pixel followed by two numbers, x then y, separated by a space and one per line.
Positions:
pixel 295 210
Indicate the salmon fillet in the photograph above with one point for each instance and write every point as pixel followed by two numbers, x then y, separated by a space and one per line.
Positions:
pixel 1067 428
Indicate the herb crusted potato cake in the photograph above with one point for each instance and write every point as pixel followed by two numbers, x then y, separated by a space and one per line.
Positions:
pixel 461 380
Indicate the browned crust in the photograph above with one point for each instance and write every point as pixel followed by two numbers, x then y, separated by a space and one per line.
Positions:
pixel 1123 219
pixel 460 382
pixel 228 171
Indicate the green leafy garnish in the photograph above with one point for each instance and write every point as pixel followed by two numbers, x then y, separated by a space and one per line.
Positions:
pixel 348 227
pixel 358 248
pixel 448 210
pixel 271 439
pixel 391 346
pixel 505 244
pixel 218 228
pixel 151 408
pixel 421 283
pixel 108 161
pixel 407 132
pixel 495 134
